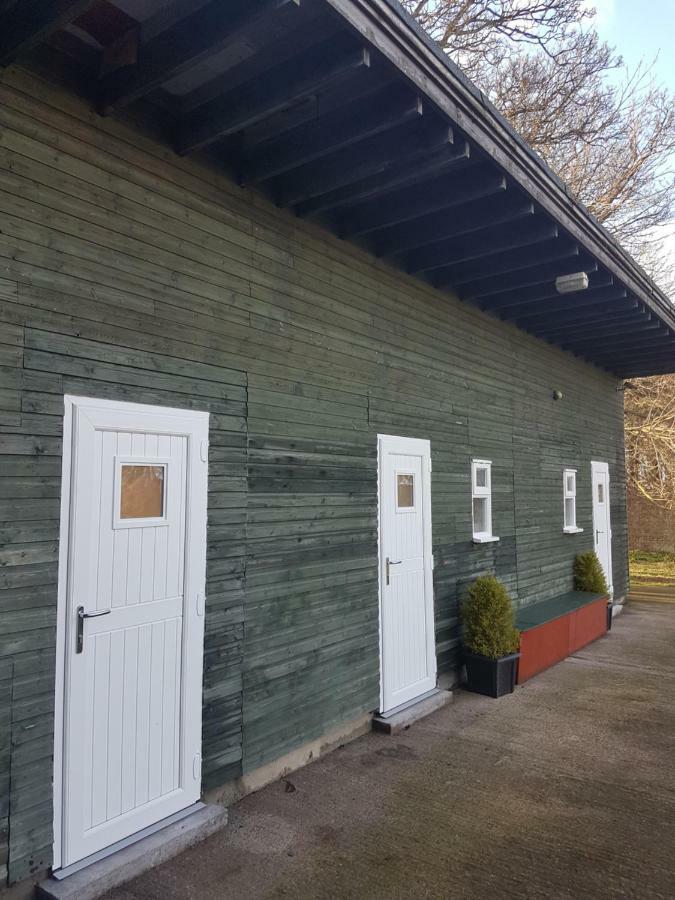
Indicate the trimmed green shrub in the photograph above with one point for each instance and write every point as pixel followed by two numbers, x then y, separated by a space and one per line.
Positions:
pixel 488 617
pixel 588 574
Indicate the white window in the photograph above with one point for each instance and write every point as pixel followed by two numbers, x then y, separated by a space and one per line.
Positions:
pixel 570 502
pixel 481 495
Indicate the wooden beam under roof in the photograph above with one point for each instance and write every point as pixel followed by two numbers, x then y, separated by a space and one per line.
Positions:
pixel 625 366
pixel 560 315
pixel 622 324
pixel 176 46
pixel 447 159
pixel 465 258
pixel 479 217
pixel 314 109
pixel 492 286
pixel 31 22
pixel 403 146
pixel 554 251
pixel 544 298
pixel 419 200
pixel 661 338
pixel 277 89
pixel 644 354
pixel 330 134
pixel 530 298
pixel 645 368
pixel 591 324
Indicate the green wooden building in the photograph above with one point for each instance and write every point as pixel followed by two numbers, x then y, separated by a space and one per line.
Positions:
pixel 297 338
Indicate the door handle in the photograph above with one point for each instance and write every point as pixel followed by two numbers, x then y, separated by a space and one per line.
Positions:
pixel 392 562
pixel 81 616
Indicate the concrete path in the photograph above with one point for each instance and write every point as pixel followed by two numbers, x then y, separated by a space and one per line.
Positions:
pixel 566 789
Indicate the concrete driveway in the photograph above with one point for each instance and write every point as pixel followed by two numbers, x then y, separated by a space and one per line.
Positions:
pixel 564 789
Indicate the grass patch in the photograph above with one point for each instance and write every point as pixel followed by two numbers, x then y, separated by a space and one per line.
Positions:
pixel 651 568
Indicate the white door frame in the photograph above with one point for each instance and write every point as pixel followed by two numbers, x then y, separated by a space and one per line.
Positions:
pixel 195 575
pixel 598 466
pixel 423 447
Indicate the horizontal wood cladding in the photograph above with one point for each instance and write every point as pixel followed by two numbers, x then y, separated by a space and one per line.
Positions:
pixel 129 273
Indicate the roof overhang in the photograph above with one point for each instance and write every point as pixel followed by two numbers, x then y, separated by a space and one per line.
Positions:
pixel 345 112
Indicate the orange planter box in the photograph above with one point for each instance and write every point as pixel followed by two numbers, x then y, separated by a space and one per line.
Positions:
pixel 544 645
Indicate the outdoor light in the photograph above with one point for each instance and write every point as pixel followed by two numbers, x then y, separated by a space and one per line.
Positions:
pixel 567 284
pixel 557 395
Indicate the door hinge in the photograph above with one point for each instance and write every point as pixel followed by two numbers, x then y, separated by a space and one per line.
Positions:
pixel 204 451
pixel 197 766
pixel 201 604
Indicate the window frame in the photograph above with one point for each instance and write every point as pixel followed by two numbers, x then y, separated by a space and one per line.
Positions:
pixel 568 494
pixel 482 492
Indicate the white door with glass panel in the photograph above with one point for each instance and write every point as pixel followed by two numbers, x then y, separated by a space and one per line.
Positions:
pixel 408 648
pixel 133 621
pixel 602 526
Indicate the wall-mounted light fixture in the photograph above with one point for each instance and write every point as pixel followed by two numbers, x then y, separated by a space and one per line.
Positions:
pixel 557 395
pixel 568 284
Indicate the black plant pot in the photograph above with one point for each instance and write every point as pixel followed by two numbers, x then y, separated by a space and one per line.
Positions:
pixel 610 608
pixel 492 677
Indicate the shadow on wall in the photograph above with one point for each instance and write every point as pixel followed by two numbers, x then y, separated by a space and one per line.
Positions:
pixel 650 527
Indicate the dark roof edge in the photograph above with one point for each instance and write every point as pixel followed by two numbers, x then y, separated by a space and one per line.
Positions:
pixel 389 28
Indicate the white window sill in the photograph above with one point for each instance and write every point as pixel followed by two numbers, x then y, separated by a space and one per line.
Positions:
pixel 574 530
pixel 484 539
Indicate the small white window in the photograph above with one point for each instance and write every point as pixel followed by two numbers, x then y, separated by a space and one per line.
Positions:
pixel 570 502
pixel 481 496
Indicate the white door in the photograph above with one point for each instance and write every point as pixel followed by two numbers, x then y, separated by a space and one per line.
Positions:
pixel 602 528
pixel 133 624
pixel 408 647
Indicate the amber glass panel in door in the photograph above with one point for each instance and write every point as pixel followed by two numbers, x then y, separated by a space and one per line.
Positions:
pixel 142 492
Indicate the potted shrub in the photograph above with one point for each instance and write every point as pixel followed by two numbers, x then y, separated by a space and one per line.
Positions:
pixel 589 576
pixel 491 640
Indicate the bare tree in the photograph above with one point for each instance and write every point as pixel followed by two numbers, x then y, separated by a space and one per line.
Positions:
pixel 477 33
pixel 650 438
pixel 611 139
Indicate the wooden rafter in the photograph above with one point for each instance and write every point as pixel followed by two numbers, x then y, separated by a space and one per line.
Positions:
pixel 330 134
pixel 33 21
pixel 448 158
pixel 542 300
pixel 525 300
pixel 418 200
pixel 622 324
pixel 549 315
pixel 402 146
pixel 278 89
pixel 176 46
pixel 475 218
pixel 494 252
pixel 492 286
pixel 660 338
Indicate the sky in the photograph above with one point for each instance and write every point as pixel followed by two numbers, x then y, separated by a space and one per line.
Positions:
pixel 642 29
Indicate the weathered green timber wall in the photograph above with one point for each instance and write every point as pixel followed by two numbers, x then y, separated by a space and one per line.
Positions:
pixel 126 272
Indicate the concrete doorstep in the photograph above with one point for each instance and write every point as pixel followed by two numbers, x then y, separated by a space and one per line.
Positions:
pixel 132 860
pixel 403 718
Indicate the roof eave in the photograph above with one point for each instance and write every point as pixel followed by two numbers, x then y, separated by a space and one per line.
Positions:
pixel 386 25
